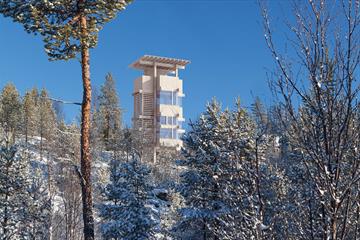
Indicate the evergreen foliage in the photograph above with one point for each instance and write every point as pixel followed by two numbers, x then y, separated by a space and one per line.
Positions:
pixel 46 121
pixel 10 111
pixel 13 192
pixel 29 114
pixel 108 115
pixel 39 206
pixel 125 212
pixel 57 22
pixel 219 182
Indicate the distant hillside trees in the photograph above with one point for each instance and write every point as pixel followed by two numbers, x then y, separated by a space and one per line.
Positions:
pixel 46 122
pixel 38 116
pixel 10 112
pixel 30 113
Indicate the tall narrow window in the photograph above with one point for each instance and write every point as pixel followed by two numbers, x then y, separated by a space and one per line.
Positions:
pixel 169 98
pixel 140 103
pixel 174 133
pixel 165 97
pixel 162 119
pixel 173 120
pixel 178 100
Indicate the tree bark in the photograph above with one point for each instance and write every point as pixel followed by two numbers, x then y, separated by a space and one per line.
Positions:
pixel 85 137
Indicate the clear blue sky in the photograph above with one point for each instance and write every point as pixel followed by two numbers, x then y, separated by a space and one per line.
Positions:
pixel 223 39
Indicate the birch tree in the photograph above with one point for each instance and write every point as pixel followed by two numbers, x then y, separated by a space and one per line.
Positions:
pixel 316 84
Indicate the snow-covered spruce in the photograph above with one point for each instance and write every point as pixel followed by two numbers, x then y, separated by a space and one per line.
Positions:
pixel 125 212
pixel 24 203
pixel 219 184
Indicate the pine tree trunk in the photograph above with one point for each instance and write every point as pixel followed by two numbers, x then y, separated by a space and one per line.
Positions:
pixel 85 137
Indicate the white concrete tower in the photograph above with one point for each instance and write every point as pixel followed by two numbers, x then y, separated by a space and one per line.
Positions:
pixel 158 94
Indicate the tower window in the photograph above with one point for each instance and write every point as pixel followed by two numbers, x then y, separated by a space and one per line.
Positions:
pixel 166 133
pixel 163 120
pixel 169 120
pixel 169 98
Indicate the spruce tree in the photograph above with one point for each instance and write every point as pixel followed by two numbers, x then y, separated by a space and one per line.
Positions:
pixel 245 157
pixel 109 113
pixel 70 28
pixel 125 214
pixel 218 184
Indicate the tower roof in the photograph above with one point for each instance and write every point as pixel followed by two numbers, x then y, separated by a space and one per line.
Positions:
pixel 162 62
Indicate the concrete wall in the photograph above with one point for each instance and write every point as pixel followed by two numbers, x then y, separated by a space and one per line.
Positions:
pixel 170 83
pixel 143 83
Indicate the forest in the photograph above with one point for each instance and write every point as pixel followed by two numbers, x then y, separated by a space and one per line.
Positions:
pixel 285 170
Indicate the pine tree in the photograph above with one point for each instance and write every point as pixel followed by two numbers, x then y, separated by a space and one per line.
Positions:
pixel 10 111
pixel 125 214
pixel 70 28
